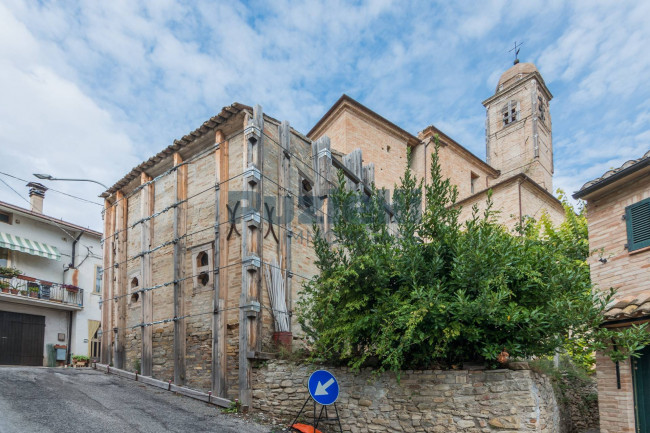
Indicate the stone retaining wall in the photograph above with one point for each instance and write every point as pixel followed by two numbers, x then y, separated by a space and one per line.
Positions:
pixel 422 401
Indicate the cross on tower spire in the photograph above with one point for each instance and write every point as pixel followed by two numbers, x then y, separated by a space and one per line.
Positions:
pixel 516 50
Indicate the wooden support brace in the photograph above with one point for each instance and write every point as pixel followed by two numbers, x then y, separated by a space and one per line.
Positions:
pixel 219 354
pixel 285 204
pixel 121 280
pixel 180 215
pixel 146 236
pixel 107 303
pixel 251 247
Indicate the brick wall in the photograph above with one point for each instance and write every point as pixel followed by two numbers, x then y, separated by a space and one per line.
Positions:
pixel 387 150
pixel 616 406
pixel 628 272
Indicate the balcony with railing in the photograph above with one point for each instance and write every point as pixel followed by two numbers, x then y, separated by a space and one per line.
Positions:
pixel 29 290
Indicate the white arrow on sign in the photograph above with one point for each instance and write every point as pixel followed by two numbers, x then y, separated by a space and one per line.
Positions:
pixel 322 389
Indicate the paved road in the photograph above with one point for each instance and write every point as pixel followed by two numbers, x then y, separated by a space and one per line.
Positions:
pixel 35 399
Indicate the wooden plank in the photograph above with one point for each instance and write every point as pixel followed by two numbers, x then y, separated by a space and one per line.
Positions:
pixel 146 209
pixel 368 174
pixel 286 208
pixel 219 360
pixel 323 167
pixel 251 245
pixel 261 355
pixel 179 226
pixel 110 276
pixel 106 302
pixel 259 241
pixel 188 392
pixel 121 279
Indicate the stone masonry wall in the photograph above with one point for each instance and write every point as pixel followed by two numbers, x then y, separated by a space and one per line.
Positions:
pixel 421 401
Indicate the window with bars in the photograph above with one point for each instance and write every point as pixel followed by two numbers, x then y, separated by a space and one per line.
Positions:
pixel 510 113
pixel 637 217
pixel 542 108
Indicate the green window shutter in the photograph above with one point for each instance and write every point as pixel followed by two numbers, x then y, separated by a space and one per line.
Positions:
pixel 638 225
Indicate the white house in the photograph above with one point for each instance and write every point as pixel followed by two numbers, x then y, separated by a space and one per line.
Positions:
pixel 55 299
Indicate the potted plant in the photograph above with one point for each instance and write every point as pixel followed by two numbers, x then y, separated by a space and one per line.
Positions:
pixel 9 272
pixel 4 286
pixel 71 288
pixel 33 291
pixel 80 360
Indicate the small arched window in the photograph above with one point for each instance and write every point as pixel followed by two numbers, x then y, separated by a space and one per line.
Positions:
pixel 202 265
pixel 202 259
pixel 134 287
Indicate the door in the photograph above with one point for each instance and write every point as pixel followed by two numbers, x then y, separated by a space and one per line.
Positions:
pixel 21 339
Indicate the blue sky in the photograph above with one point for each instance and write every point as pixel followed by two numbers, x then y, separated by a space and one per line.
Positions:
pixel 90 89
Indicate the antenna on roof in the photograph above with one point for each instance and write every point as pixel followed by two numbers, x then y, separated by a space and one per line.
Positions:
pixel 516 50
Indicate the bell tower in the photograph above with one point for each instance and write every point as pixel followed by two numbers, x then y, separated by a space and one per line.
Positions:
pixel 518 136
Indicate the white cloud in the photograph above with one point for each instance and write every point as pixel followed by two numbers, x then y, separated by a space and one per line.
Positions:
pixel 112 83
pixel 50 126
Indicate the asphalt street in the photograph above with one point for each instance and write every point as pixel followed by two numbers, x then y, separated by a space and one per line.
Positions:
pixel 36 399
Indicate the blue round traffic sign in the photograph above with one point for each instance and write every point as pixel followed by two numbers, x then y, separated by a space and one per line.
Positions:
pixel 323 387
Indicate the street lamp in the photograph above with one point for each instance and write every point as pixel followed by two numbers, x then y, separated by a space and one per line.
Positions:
pixel 50 177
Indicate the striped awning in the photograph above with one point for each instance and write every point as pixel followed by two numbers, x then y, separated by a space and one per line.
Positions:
pixel 28 246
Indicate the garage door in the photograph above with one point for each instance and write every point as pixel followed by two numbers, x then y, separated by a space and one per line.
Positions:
pixel 21 339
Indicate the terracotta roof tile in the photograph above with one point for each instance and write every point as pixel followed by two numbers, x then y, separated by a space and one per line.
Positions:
pixel 613 171
pixel 629 307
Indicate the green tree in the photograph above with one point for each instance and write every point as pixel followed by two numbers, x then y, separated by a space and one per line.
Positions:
pixel 426 290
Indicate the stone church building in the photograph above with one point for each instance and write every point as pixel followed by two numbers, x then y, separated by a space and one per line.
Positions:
pixel 193 234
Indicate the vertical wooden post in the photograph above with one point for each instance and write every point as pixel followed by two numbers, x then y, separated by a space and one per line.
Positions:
pixel 180 215
pixel 146 210
pixel 219 358
pixel 354 161
pixel 107 302
pixel 112 304
pixel 249 306
pixel 286 208
pixel 121 280
pixel 322 168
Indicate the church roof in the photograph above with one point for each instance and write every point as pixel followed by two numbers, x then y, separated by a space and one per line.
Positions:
pixel 516 72
pixel 613 175
pixel 346 101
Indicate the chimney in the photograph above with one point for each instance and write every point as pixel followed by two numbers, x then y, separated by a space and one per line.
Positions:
pixel 36 195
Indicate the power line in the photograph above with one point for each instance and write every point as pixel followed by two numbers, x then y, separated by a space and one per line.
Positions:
pixel 51 189
pixel 49 219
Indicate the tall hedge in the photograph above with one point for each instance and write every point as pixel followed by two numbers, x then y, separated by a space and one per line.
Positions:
pixel 429 291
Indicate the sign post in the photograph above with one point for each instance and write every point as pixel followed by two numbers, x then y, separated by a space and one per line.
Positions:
pixel 323 390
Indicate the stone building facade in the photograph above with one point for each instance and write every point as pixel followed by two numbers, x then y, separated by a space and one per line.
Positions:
pixel 618 215
pixel 190 232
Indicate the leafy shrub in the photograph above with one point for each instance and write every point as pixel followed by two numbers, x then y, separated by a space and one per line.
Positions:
pixel 9 272
pixel 431 291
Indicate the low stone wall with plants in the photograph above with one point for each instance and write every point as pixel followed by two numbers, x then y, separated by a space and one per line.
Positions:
pixel 421 401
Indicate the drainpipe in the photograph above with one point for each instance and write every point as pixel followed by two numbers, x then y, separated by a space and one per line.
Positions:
pixel 74 249
pixel 69 355
pixel 520 213
pixel 71 316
